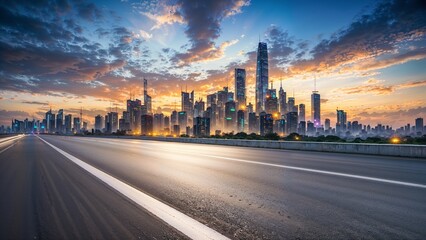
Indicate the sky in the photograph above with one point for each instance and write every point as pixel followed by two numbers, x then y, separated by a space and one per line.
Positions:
pixel 368 57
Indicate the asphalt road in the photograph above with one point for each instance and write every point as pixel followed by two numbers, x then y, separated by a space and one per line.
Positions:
pixel 242 193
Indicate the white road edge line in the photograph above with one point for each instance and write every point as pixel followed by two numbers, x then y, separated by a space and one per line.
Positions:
pixel 183 223
pixel 305 169
pixel 322 172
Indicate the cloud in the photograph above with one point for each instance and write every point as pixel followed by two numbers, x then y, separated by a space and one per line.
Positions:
pixel 203 19
pixel 169 16
pixel 373 86
pixel 360 46
pixel 35 103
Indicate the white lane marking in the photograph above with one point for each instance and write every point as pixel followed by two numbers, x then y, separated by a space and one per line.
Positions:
pixel 297 168
pixel 187 225
pixel 322 172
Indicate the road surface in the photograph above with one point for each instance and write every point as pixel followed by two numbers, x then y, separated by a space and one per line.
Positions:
pixel 239 193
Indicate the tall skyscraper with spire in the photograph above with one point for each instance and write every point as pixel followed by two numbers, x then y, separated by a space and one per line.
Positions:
pixel 316 108
pixel 261 76
pixel 147 101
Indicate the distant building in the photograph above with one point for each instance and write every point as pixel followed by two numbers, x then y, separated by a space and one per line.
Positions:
pixel 327 124
pixel 60 121
pixel 146 98
pixel 292 120
pixel 241 121
pixel 230 116
pixel 253 123
pixel 201 127
pixel 262 76
pixel 182 121
pixel 341 121
pixel 271 102
pixel 147 125
pixel 302 112
pixel 99 120
pixel 240 88
pixel 291 105
pixel 283 100
pixel 419 125
pixel 77 125
pixel 266 123
pixel 316 108
pixel 68 124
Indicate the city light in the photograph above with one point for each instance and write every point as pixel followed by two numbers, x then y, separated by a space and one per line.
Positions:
pixel 395 140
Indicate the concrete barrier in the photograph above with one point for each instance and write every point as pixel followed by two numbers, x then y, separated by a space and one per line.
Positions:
pixel 401 150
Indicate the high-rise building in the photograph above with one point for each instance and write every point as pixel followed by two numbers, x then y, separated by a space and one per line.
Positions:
pixel 158 123
pixel 77 125
pixel 187 103
pixel 291 104
pixel 419 125
pixel 230 116
pixel 283 100
pixel 341 121
pixel 316 108
pixel 147 124
pixel 253 123
pixel 60 121
pixel 134 107
pixel 199 108
pixel 211 99
pixel 240 88
pixel 241 121
pixel 291 122
pixel 67 125
pixel 301 112
pixel 271 102
pixel 174 118
pixel 302 128
pixel 99 120
pixel 266 123
pixel 112 124
pixel 327 124
pixel 147 101
pixel 261 76
pixel 182 121
pixel 50 121
pixel 201 127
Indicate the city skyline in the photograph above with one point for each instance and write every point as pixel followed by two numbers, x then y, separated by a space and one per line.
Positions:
pixel 380 82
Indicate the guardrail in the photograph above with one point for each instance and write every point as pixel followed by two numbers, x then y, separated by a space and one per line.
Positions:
pixel 401 150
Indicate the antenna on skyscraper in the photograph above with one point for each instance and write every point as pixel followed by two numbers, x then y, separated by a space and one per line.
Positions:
pixel 315 83
pixel 81 114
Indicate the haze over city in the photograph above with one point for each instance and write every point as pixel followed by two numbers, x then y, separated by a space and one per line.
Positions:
pixel 367 56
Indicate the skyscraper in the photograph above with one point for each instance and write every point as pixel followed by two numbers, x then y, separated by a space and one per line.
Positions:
pixel 419 125
pixel 271 102
pixel 283 100
pixel 60 121
pixel 316 108
pixel 301 112
pixel 261 76
pixel 341 121
pixel 230 116
pixel 67 125
pixel 291 122
pixel 147 101
pixel 240 87
pixel 187 103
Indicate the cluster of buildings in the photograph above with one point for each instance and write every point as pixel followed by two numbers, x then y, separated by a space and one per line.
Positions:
pixel 223 111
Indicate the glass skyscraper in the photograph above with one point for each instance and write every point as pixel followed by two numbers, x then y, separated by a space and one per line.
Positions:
pixel 240 87
pixel 316 108
pixel 261 76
